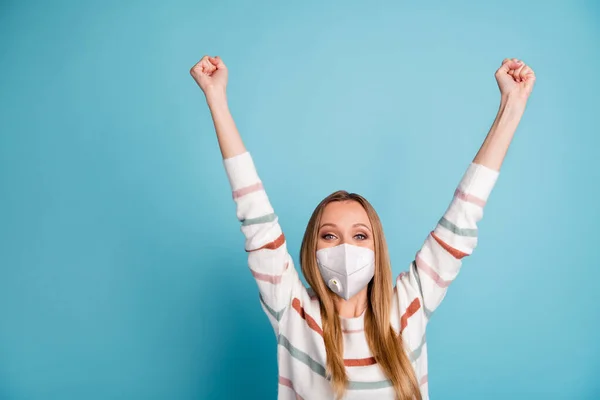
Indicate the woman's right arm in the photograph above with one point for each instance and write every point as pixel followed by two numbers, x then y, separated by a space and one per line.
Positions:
pixel 268 258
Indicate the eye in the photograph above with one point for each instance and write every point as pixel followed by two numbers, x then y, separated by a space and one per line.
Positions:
pixel 360 236
pixel 328 236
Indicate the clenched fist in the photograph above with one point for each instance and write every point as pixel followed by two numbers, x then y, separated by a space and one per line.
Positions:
pixel 210 73
pixel 515 78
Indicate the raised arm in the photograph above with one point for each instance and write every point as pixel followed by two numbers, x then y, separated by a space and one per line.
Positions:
pixel 438 261
pixel 515 81
pixel 211 75
pixel 268 258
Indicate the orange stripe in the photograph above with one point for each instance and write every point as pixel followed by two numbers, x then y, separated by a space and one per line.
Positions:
pixel 312 324
pixel 412 308
pixel 275 244
pixel 454 252
pixel 360 362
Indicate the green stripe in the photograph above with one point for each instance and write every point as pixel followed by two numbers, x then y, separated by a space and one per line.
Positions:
pixel 302 356
pixel 455 229
pixel 416 353
pixel 417 276
pixel 368 385
pixel 319 369
pixel 259 220
pixel 276 314
pixel 428 312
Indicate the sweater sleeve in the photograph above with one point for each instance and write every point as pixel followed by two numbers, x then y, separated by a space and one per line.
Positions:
pixel 268 258
pixel 438 261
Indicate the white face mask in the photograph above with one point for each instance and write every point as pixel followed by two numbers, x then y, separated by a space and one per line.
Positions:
pixel 346 269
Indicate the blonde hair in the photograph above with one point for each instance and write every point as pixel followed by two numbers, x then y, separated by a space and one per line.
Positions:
pixel 385 345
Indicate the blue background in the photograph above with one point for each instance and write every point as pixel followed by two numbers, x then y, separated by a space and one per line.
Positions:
pixel 122 269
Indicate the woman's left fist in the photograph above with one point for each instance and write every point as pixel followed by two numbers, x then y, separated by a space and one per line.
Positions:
pixel 515 79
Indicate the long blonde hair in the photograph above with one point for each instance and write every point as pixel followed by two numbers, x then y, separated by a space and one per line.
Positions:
pixel 385 345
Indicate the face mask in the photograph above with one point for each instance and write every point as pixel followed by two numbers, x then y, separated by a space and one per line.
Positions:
pixel 346 269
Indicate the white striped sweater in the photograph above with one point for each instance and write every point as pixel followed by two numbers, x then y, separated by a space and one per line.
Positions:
pixel 293 310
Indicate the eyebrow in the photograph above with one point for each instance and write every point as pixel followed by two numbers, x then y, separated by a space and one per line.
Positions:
pixel 335 226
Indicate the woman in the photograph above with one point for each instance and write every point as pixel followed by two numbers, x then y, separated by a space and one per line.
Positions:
pixel 353 334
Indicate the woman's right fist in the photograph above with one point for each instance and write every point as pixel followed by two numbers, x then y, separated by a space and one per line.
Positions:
pixel 210 73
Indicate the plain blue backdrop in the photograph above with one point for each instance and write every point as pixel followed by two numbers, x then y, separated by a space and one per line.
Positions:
pixel 122 268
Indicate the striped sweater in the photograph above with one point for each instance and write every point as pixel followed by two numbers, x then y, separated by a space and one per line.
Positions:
pixel 293 310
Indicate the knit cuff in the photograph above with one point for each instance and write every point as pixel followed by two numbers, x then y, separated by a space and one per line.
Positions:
pixel 479 181
pixel 241 171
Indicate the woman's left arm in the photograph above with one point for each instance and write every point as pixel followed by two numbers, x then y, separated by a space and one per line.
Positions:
pixel 439 260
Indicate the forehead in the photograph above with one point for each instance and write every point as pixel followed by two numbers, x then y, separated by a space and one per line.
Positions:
pixel 345 213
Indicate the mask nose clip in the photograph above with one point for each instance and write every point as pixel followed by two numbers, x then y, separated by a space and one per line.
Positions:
pixel 335 285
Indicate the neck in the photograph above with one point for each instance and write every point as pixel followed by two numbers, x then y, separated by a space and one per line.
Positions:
pixel 352 307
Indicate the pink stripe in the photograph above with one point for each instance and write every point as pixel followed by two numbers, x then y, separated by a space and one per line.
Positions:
pixel 423 380
pixel 274 279
pixel 352 330
pixel 398 280
pixel 422 265
pixel 469 198
pixel 247 190
pixel 401 275
pixel 286 382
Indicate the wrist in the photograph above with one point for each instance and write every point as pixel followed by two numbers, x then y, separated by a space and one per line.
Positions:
pixel 513 101
pixel 512 107
pixel 215 95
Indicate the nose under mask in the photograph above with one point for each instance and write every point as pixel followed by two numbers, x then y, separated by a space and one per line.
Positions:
pixel 346 269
